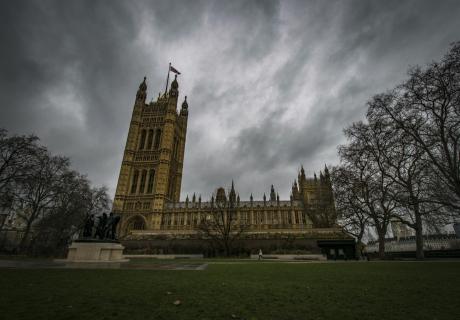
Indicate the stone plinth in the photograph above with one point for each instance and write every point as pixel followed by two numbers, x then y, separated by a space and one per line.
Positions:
pixel 95 251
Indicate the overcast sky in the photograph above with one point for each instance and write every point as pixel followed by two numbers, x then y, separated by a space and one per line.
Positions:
pixel 270 84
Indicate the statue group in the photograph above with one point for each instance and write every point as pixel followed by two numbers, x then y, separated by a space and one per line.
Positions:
pixel 106 227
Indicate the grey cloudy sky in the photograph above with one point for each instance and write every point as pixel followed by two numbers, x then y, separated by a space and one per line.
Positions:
pixel 270 84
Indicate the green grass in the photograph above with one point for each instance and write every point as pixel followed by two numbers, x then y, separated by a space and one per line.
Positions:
pixel 250 290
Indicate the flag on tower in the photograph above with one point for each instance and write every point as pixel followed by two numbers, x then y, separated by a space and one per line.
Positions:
pixel 171 68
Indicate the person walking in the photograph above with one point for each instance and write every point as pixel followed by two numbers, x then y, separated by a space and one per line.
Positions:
pixel 260 254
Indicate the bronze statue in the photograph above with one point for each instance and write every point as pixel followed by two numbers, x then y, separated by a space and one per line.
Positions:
pixel 106 227
pixel 111 227
pixel 88 229
pixel 101 225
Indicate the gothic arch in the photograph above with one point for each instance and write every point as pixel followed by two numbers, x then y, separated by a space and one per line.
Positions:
pixel 133 223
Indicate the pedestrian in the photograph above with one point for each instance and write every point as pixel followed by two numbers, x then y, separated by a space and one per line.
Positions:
pixel 260 254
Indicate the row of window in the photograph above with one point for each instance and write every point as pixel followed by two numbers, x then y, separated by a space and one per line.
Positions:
pixel 137 205
pixel 147 141
pixel 259 218
pixel 147 121
pixel 141 179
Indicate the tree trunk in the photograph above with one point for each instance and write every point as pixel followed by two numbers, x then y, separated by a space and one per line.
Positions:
pixel 382 247
pixel 419 237
pixel 381 235
pixel 25 236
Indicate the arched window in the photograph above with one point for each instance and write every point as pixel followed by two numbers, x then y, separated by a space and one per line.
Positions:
pixel 151 180
pixel 142 140
pixel 149 140
pixel 134 181
pixel 142 184
pixel 157 138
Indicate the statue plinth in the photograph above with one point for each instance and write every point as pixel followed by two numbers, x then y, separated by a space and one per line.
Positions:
pixel 92 250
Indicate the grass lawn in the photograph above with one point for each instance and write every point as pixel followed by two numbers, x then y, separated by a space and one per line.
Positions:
pixel 249 290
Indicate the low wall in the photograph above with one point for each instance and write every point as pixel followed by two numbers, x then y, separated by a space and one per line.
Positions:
pixel 198 246
pixel 165 256
pixel 314 257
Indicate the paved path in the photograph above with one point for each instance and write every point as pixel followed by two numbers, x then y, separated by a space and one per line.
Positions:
pixel 51 264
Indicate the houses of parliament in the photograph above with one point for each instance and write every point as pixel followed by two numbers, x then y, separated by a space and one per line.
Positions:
pixel 148 191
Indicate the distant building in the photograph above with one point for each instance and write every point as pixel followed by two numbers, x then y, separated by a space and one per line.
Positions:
pixel 149 186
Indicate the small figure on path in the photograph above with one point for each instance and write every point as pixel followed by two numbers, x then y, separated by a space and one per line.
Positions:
pixel 260 254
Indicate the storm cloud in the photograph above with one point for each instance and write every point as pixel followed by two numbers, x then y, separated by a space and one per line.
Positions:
pixel 270 84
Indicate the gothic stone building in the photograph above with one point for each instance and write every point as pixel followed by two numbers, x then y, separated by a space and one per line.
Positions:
pixel 153 219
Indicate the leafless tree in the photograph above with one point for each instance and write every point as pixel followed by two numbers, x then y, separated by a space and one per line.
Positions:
pixel 73 204
pixel 427 109
pixel 38 192
pixel 408 165
pixel 222 227
pixel 16 153
pixel 352 215
pixel 370 188
pixel 43 192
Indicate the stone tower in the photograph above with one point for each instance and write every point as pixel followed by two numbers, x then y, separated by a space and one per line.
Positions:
pixel 317 197
pixel 151 171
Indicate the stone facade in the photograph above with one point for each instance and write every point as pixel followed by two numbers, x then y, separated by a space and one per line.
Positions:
pixel 149 185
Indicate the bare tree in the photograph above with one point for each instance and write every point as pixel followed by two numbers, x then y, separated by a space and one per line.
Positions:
pixel 373 191
pixel 352 215
pixel 37 193
pixel 407 164
pixel 222 227
pixel 44 193
pixel 427 109
pixel 16 153
pixel 73 204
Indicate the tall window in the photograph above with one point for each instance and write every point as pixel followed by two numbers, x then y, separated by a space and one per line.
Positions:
pixel 149 140
pixel 134 182
pixel 151 180
pixel 142 140
pixel 171 188
pixel 142 184
pixel 157 138
pixel 175 148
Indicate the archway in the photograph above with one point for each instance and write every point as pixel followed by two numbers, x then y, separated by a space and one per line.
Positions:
pixel 135 223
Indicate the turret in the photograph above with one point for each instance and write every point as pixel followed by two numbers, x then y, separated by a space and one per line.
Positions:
pixel 272 194
pixel 301 178
pixel 141 94
pixel 327 175
pixel 184 109
pixel 174 91
pixel 295 191
pixel 220 195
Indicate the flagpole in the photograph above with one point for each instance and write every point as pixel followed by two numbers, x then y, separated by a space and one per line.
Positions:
pixel 167 79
